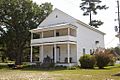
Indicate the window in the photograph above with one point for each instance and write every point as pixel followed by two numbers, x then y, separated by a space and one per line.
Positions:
pixel 96 42
pixel 83 51
pixel 91 52
pixel 56 16
pixel 57 34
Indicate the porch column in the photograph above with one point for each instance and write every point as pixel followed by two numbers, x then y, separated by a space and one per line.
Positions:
pixel 68 31
pixel 55 33
pixel 31 54
pixel 31 35
pixel 68 48
pixel 41 34
pixel 41 53
pixel 41 50
pixel 54 53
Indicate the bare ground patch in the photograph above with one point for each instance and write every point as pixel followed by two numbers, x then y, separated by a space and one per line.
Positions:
pixel 28 75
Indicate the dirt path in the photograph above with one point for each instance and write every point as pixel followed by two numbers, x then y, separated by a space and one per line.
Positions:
pixel 25 75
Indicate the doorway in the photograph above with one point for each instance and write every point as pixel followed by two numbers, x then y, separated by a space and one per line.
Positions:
pixel 57 54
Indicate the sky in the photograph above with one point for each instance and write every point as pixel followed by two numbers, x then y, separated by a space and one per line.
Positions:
pixel 108 16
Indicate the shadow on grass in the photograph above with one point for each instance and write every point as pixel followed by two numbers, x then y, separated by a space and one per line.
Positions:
pixel 105 68
pixel 118 74
pixel 3 66
pixel 37 68
pixel 31 68
pixel 112 67
pixel 34 68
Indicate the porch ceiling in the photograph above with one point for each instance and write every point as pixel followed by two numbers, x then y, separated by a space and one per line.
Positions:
pixel 53 43
pixel 53 27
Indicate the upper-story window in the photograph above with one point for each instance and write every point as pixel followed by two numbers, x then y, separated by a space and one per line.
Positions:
pixel 96 42
pixel 61 32
pixel 36 36
pixel 56 16
pixel 57 34
pixel 47 34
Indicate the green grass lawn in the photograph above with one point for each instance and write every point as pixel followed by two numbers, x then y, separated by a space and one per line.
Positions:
pixel 79 74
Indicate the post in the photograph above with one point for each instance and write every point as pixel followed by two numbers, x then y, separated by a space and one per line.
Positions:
pixel 118 15
pixel 41 53
pixel 68 31
pixel 55 33
pixel 68 48
pixel 31 35
pixel 54 53
pixel 90 12
pixel 31 54
pixel 41 34
pixel 118 21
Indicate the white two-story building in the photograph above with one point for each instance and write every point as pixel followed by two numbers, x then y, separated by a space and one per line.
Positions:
pixel 64 39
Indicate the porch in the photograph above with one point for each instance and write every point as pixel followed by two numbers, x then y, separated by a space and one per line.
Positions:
pixel 57 44
pixel 64 54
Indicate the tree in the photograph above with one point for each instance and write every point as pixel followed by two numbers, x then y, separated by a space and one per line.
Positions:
pixel 17 17
pixel 103 58
pixel 91 6
pixel 117 50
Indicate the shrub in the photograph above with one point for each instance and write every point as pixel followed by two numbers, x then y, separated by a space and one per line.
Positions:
pixel 103 58
pixel 112 61
pixel 61 67
pixel 87 61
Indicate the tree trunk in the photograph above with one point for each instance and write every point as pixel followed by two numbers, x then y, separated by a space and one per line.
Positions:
pixel 90 12
pixel 90 18
pixel 18 60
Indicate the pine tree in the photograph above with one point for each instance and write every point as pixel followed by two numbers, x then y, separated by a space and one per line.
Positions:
pixel 91 6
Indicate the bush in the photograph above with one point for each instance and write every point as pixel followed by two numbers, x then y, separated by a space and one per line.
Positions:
pixel 112 61
pixel 103 58
pixel 61 67
pixel 87 61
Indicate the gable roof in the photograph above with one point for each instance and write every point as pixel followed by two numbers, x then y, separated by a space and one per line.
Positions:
pixel 59 17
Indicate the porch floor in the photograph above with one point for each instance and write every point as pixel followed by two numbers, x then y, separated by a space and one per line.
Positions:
pixel 66 64
pixel 59 64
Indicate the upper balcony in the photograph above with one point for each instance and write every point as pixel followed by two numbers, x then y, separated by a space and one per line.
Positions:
pixel 53 39
pixel 58 34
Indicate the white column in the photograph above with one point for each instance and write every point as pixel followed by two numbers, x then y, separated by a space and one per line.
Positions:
pixel 119 41
pixel 55 33
pixel 31 35
pixel 68 48
pixel 41 34
pixel 31 54
pixel 54 53
pixel 41 53
pixel 68 31
pixel 41 50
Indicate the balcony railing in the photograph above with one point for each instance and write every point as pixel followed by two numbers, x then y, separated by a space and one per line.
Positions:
pixel 54 39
